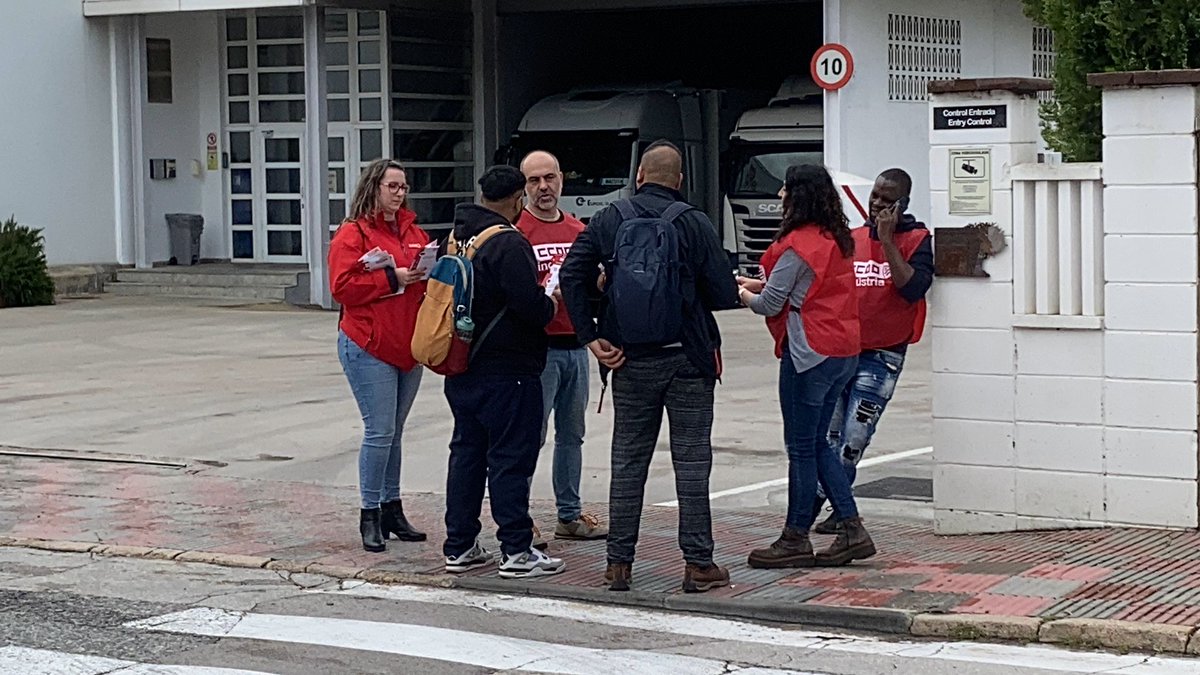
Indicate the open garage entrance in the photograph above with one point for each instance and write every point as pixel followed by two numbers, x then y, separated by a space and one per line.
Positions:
pixel 746 49
pixel 596 86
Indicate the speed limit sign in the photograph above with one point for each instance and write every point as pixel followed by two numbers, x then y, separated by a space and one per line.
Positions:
pixel 832 66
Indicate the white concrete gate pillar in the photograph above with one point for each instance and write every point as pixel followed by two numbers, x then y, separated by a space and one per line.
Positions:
pixel 1150 243
pixel 989 126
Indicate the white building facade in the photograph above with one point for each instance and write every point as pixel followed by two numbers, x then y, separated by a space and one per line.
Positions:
pixel 258 114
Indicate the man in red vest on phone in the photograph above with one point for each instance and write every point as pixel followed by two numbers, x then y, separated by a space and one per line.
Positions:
pixel 551 231
pixel 893 269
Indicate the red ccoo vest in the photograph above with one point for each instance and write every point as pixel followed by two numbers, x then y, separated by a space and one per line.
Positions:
pixel 887 318
pixel 551 241
pixel 830 310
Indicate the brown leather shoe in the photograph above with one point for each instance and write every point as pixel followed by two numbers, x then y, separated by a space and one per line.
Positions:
pixel 618 576
pixel 697 579
pixel 539 542
pixel 585 526
pixel 792 549
pixel 852 543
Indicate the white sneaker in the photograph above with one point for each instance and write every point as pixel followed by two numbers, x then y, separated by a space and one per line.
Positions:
pixel 476 557
pixel 532 563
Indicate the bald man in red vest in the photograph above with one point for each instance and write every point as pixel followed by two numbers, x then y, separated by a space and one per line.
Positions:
pixel 893 267
pixel 552 231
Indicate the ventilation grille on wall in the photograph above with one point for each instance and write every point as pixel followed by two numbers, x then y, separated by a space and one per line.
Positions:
pixel 921 50
pixel 1043 57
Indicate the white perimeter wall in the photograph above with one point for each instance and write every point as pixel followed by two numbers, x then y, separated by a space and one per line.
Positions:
pixel 178 131
pixel 1043 421
pixel 56 128
pixel 869 133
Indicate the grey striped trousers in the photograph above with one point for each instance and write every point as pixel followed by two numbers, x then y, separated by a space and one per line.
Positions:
pixel 642 389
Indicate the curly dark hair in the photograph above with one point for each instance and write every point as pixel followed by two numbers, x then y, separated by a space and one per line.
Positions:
pixel 811 198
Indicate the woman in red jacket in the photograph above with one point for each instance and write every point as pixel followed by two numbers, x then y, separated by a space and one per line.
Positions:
pixel 369 274
pixel 811 301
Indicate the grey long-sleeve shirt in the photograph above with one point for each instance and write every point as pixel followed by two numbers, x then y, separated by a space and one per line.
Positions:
pixel 788 283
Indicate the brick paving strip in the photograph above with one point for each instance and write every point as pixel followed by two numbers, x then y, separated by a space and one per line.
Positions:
pixel 1125 589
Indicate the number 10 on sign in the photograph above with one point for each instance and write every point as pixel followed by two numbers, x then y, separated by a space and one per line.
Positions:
pixel 832 66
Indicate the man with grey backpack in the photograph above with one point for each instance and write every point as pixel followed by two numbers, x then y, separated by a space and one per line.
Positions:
pixel 664 274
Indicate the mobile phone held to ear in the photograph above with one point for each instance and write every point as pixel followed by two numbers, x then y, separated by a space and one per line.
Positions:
pixel 901 205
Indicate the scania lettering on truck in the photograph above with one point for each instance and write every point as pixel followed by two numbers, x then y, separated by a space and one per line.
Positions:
pixel 598 134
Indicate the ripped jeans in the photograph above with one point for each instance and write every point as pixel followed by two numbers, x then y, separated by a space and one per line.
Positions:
pixel 865 397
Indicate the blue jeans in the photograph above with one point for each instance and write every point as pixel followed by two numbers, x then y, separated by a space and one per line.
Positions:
pixel 866 395
pixel 807 400
pixel 385 395
pixel 565 391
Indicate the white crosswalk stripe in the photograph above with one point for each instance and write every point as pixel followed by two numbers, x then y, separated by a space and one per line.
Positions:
pixel 1017 656
pixel 25 661
pixel 442 644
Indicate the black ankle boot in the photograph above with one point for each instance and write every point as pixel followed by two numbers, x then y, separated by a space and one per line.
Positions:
pixel 394 522
pixel 827 526
pixel 368 527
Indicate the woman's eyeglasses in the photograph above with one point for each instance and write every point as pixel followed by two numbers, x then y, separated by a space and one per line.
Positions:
pixel 395 188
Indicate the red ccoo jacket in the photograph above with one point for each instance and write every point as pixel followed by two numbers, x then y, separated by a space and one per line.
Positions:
pixel 374 315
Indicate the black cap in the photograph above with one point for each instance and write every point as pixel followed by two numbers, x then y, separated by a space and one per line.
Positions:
pixel 501 182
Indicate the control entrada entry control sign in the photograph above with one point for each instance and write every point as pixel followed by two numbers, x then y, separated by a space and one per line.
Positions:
pixel 970 117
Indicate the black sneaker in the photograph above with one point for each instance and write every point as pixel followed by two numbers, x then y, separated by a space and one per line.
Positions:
pixel 828 526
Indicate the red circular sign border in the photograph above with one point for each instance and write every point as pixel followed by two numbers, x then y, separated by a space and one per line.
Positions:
pixel 841 49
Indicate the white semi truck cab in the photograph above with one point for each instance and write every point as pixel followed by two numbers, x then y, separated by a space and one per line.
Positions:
pixel 765 142
pixel 598 135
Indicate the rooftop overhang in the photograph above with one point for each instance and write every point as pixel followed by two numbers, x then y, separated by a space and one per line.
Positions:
pixel 531 6
pixel 123 7
pixel 128 7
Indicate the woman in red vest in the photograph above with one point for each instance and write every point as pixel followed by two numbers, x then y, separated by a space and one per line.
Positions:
pixel 811 304
pixel 369 274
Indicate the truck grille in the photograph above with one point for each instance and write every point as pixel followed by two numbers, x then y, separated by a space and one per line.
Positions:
pixel 755 236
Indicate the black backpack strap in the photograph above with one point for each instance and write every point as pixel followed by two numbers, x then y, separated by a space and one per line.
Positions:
pixel 626 209
pixel 483 336
pixel 675 210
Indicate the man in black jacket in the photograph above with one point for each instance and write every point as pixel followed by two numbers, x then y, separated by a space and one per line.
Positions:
pixel 679 377
pixel 497 402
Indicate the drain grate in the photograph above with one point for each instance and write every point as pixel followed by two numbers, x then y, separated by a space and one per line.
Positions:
pixel 897 487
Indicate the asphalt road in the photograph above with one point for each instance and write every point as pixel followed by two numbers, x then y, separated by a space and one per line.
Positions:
pixel 258 392
pixel 71 613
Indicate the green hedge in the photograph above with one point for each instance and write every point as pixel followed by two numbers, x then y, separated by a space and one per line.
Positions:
pixel 1099 36
pixel 24 281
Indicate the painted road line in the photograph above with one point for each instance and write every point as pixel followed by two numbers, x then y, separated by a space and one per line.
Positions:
pixel 779 482
pixel 494 652
pixel 694 626
pixel 28 661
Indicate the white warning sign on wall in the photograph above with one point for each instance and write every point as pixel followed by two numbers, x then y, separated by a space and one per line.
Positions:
pixel 970 182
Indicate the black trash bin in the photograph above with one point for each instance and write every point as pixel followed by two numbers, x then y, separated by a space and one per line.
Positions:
pixel 186 229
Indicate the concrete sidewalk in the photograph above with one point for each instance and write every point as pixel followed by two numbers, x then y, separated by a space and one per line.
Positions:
pixel 260 392
pixel 1125 589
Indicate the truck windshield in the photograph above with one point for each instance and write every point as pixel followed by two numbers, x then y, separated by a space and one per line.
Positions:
pixel 593 162
pixel 759 169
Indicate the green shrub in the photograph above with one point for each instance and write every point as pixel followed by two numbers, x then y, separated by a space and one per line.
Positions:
pixel 1098 36
pixel 24 281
